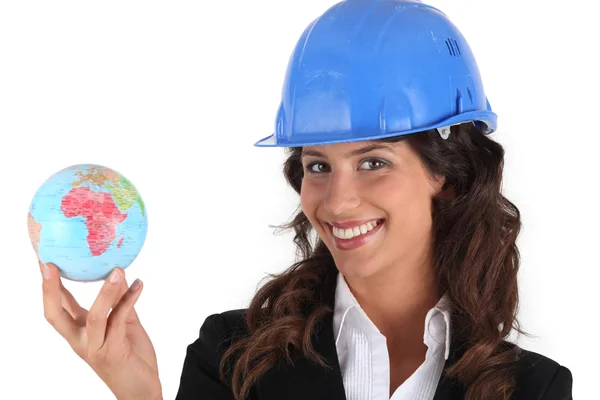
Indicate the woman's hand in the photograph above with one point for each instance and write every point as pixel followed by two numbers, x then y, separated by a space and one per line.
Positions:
pixel 116 347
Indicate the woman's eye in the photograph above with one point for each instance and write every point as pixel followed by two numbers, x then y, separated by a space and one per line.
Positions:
pixel 311 167
pixel 373 163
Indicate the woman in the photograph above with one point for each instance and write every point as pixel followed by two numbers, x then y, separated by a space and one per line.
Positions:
pixel 408 290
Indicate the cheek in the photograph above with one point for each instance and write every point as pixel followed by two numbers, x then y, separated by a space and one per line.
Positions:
pixel 406 202
pixel 308 200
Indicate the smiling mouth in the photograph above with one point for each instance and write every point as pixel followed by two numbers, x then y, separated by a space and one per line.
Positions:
pixel 349 241
pixel 356 231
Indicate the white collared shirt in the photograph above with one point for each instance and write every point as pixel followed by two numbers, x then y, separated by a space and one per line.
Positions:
pixel 364 358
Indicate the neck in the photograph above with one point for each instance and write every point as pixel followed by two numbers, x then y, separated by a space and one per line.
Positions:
pixel 397 298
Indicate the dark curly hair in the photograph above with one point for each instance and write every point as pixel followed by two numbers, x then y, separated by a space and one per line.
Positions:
pixel 476 261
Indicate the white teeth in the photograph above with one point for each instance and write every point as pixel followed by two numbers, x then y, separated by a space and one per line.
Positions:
pixel 349 233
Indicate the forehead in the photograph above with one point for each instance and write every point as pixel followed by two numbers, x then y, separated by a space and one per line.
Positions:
pixel 349 149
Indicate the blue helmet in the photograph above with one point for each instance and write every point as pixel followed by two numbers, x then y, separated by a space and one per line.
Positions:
pixel 369 69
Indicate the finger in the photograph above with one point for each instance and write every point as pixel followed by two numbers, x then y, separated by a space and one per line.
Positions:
pixel 117 322
pixel 123 287
pixel 54 313
pixel 97 316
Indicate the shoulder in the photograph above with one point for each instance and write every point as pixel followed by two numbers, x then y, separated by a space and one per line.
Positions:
pixel 232 321
pixel 200 376
pixel 540 377
pixel 217 334
pixel 220 329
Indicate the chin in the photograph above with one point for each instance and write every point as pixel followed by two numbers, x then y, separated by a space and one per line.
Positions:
pixel 357 269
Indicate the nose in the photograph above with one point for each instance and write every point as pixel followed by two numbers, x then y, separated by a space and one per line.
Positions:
pixel 342 194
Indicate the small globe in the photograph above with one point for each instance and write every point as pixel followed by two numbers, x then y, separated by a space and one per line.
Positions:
pixel 87 219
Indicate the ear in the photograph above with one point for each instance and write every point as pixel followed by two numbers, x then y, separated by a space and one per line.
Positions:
pixel 441 189
pixel 447 193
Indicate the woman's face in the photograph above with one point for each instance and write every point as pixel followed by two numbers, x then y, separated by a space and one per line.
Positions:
pixel 378 195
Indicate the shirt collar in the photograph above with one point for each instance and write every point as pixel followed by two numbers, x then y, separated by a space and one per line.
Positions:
pixel 437 320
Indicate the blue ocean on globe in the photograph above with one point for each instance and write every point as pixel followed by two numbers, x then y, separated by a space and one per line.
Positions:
pixel 87 219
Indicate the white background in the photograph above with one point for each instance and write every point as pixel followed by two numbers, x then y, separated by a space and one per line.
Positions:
pixel 173 94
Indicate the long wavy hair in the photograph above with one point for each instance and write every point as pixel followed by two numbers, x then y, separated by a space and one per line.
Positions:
pixel 475 259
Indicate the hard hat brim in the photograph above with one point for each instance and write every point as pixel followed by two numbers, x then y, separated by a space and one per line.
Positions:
pixel 487 118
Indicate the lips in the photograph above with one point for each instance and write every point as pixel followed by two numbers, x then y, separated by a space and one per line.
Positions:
pixel 358 241
pixel 353 223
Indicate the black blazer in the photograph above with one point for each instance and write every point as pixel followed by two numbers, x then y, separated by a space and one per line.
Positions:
pixel 537 377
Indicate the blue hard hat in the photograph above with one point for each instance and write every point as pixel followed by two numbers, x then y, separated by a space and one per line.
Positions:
pixel 369 69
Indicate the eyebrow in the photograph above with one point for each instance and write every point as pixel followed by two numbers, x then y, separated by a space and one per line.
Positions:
pixel 362 150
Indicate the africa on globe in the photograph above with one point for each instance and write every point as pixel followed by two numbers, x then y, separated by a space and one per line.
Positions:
pixel 87 219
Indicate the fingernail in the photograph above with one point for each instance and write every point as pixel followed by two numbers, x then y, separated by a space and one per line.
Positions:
pixel 136 284
pixel 45 271
pixel 114 276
